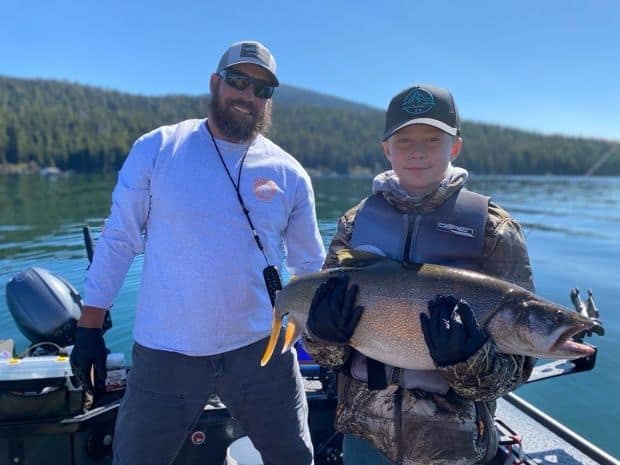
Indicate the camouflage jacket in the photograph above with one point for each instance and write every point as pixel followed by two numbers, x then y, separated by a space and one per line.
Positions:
pixel 417 427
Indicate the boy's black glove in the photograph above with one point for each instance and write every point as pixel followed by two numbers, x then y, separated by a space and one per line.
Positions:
pixel 89 351
pixel 451 332
pixel 333 314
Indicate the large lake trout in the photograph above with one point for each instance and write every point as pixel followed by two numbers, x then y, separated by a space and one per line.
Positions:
pixel 394 294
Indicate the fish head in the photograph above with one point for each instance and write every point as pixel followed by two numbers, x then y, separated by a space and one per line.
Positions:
pixel 528 325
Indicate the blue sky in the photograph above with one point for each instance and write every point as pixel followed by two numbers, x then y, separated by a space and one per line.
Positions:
pixel 552 66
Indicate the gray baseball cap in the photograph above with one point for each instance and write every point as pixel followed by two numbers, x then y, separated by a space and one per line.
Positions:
pixel 249 51
pixel 422 104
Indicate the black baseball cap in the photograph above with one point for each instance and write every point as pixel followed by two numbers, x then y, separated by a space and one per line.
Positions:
pixel 422 104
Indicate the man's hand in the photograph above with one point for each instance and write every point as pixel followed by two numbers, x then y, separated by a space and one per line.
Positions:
pixel 451 332
pixel 89 352
pixel 333 314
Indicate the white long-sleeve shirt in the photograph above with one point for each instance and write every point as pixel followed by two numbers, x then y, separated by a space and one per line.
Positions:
pixel 202 290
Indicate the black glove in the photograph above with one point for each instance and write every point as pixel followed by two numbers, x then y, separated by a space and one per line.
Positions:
pixel 451 332
pixel 333 315
pixel 89 351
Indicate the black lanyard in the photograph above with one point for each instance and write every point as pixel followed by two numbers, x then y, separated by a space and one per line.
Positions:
pixel 270 273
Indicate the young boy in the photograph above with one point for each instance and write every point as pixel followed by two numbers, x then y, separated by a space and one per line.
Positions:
pixel 420 212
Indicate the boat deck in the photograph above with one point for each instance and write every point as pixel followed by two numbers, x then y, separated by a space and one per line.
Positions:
pixel 544 440
pixel 528 436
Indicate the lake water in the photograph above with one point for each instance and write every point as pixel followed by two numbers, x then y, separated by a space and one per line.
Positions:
pixel 573 234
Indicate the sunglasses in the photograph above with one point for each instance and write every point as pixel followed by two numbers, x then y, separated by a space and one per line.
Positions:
pixel 241 81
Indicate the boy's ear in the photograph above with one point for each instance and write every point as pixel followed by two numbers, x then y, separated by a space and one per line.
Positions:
pixel 456 148
pixel 386 149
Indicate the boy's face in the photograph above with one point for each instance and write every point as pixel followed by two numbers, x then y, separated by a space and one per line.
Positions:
pixel 420 155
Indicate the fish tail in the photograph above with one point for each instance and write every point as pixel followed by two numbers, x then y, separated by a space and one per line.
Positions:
pixel 273 339
pixel 290 334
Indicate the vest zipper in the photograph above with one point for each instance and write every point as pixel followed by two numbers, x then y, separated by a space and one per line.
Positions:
pixel 412 231
pixel 398 425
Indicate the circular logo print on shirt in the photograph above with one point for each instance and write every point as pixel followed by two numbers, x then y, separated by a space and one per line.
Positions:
pixel 265 189
pixel 198 437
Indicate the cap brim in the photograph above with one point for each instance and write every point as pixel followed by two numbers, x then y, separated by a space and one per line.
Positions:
pixel 274 80
pixel 428 121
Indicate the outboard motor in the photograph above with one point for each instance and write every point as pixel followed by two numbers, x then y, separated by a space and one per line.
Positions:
pixel 45 306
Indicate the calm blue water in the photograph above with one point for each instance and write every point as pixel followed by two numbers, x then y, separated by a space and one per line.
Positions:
pixel 572 227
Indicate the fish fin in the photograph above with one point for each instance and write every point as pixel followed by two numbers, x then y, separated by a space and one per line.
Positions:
pixel 412 265
pixel 357 258
pixel 273 339
pixel 289 335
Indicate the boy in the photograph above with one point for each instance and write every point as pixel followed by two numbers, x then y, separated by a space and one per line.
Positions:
pixel 420 212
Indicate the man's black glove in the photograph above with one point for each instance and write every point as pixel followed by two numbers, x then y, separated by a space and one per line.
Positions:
pixel 89 351
pixel 451 332
pixel 333 314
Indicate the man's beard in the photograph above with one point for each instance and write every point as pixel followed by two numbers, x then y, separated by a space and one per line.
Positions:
pixel 235 126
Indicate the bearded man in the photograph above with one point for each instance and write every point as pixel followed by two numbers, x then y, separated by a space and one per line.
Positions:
pixel 210 203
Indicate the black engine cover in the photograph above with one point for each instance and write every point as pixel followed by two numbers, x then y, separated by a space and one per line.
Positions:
pixel 44 306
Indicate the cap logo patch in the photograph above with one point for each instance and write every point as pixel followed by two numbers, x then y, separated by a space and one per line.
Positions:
pixel 253 51
pixel 418 101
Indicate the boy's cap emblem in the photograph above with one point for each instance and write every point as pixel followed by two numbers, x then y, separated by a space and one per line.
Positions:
pixel 418 101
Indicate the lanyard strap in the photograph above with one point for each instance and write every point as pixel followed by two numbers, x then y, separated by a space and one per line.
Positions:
pixel 236 186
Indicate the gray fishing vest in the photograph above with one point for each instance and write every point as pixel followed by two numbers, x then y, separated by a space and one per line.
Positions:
pixel 451 235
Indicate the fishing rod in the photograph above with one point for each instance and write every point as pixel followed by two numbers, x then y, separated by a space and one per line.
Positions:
pixel 589 172
pixel 598 164
pixel 88 243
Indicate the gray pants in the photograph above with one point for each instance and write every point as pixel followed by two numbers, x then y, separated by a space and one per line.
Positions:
pixel 166 393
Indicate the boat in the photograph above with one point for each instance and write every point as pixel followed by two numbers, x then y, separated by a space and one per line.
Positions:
pixel 43 419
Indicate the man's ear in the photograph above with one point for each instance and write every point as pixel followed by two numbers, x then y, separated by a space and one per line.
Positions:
pixel 456 148
pixel 213 82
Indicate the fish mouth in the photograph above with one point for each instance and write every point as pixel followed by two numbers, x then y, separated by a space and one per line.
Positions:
pixel 569 346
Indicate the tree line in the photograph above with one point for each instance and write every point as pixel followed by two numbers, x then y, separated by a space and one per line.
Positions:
pixel 87 129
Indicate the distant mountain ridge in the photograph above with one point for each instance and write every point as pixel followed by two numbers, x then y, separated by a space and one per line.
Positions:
pixel 84 128
pixel 290 95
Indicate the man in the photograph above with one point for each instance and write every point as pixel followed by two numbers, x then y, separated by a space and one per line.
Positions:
pixel 420 212
pixel 211 203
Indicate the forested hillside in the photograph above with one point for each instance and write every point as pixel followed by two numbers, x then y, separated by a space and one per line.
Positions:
pixel 82 128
